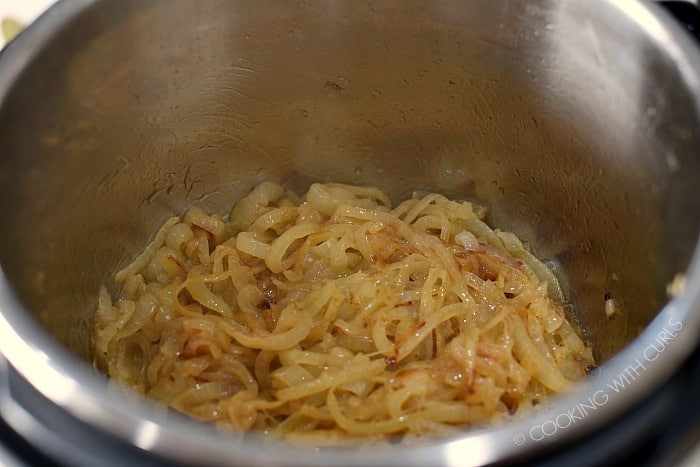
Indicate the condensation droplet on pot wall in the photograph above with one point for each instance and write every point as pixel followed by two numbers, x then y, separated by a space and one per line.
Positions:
pixel 676 287
pixel 610 305
pixel 672 161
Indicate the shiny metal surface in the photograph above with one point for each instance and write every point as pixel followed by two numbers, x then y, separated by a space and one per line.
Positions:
pixel 576 122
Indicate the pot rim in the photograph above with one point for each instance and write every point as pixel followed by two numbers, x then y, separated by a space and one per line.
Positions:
pixel 619 384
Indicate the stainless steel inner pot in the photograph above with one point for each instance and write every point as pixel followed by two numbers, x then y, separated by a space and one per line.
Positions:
pixel 576 122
